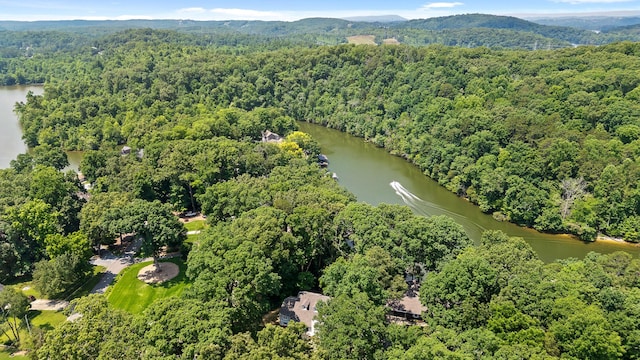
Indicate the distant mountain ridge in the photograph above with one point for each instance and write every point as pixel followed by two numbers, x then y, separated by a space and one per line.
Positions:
pixel 469 21
pixel 377 18
pixel 468 30
pixel 594 23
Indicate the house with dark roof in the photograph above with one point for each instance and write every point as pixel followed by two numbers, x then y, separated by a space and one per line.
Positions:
pixel 301 308
pixel 408 307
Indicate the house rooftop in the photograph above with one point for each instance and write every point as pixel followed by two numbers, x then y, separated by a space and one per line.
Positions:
pixel 408 306
pixel 301 308
pixel 268 136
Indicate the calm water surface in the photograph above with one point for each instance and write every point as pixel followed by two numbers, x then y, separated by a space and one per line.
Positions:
pixel 375 176
pixel 11 143
pixel 372 174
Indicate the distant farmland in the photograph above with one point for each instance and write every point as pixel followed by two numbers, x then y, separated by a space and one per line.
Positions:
pixel 391 41
pixel 362 40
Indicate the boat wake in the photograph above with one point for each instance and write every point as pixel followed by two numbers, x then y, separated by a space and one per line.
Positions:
pixel 416 204
pixel 419 206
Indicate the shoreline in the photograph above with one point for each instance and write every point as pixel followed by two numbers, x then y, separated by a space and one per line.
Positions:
pixel 600 238
pixel 613 240
pixel 548 246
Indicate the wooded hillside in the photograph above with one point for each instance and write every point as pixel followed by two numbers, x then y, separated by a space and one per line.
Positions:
pixel 548 139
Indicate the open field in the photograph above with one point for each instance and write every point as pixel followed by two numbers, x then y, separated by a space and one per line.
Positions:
pixel 196 225
pixel 192 238
pixel 362 40
pixel 391 41
pixel 134 296
pixel 46 320
pixel 8 355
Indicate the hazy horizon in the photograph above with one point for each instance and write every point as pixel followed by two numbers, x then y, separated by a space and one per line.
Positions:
pixel 294 10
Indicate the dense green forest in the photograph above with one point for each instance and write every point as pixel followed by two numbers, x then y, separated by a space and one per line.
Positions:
pixel 543 138
pixel 470 30
pixel 546 139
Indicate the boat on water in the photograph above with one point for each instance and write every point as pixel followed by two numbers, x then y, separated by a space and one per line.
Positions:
pixel 323 160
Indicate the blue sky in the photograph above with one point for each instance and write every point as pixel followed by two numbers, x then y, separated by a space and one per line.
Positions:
pixel 294 10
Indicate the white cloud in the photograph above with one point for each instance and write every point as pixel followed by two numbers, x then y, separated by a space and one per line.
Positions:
pixel 192 10
pixel 441 5
pixel 245 14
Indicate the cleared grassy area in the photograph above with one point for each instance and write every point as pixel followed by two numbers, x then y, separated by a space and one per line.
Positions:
pixel 46 320
pixel 7 355
pixel 135 296
pixel 24 285
pixel 194 225
pixel 28 289
pixel 192 238
pixel 362 40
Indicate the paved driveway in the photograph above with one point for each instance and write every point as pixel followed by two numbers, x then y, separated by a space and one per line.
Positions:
pixel 114 265
pixel 44 304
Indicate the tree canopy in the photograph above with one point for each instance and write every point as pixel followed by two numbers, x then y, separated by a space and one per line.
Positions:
pixel 545 139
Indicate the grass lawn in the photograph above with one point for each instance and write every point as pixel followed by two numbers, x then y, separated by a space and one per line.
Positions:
pixel 196 225
pixel 27 287
pixel 135 296
pixel 45 320
pixel 192 238
pixel 6 355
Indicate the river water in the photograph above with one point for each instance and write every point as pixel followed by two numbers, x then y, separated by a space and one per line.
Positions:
pixel 11 143
pixel 375 177
pixel 369 172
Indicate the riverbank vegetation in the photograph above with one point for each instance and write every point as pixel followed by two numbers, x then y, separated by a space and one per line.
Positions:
pixel 546 139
